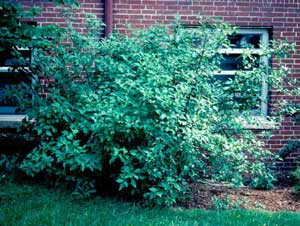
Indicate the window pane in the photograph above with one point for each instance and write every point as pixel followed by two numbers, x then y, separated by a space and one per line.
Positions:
pixel 223 78
pixel 8 59
pixel 245 40
pixel 8 105
pixel 236 94
pixel 232 62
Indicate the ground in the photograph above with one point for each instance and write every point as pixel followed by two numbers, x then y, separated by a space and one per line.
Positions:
pixel 35 205
pixel 208 196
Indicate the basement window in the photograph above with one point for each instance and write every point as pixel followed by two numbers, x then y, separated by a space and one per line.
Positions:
pixel 14 69
pixel 253 39
pixel 15 62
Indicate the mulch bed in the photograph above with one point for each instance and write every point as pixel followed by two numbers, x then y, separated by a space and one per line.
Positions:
pixel 212 196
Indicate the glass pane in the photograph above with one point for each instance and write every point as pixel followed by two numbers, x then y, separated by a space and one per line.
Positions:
pixel 7 105
pixel 8 59
pixel 245 40
pixel 232 62
pixel 223 78
pixel 235 96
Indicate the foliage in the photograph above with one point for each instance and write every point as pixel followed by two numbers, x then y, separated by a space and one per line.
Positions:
pixel 225 203
pixel 293 110
pixel 144 110
pixel 222 203
pixel 17 31
pixel 287 149
pixel 73 3
pixel 291 147
pixel 7 163
pixel 296 174
pixel 8 166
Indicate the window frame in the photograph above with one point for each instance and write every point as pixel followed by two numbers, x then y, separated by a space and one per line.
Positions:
pixel 10 110
pixel 264 41
pixel 9 118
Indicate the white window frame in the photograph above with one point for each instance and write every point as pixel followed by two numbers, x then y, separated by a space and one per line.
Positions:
pixel 264 40
pixel 7 119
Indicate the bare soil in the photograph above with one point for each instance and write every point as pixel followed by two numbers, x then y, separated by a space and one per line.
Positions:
pixel 211 196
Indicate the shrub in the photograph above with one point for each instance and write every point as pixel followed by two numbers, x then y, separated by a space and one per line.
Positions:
pixel 290 147
pixel 144 110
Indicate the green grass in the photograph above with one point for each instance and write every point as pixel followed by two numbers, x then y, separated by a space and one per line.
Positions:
pixel 35 205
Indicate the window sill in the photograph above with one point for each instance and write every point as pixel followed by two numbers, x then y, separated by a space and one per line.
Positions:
pixel 11 121
pixel 258 123
pixel 255 123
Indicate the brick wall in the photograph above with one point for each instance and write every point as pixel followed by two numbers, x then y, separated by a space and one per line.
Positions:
pixel 50 14
pixel 281 16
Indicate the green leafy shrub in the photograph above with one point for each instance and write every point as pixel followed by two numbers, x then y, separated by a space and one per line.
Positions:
pixel 8 166
pixel 8 163
pixel 291 147
pixel 226 202
pixel 296 175
pixel 143 110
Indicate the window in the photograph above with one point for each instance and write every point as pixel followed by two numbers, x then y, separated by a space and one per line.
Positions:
pixel 256 39
pixel 14 64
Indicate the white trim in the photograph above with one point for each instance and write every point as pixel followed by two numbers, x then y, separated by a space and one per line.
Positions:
pixel 258 123
pixel 22 48
pixel 264 40
pixel 223 72
pixel 11 121
pixel 239 51
pixel 252 31
pixel 264 91
pixel 10 69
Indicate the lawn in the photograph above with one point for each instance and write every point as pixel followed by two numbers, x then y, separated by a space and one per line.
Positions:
pixel 36 205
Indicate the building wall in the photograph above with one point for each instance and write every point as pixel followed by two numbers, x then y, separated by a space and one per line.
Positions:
pixel 281 16
pixel 51 14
